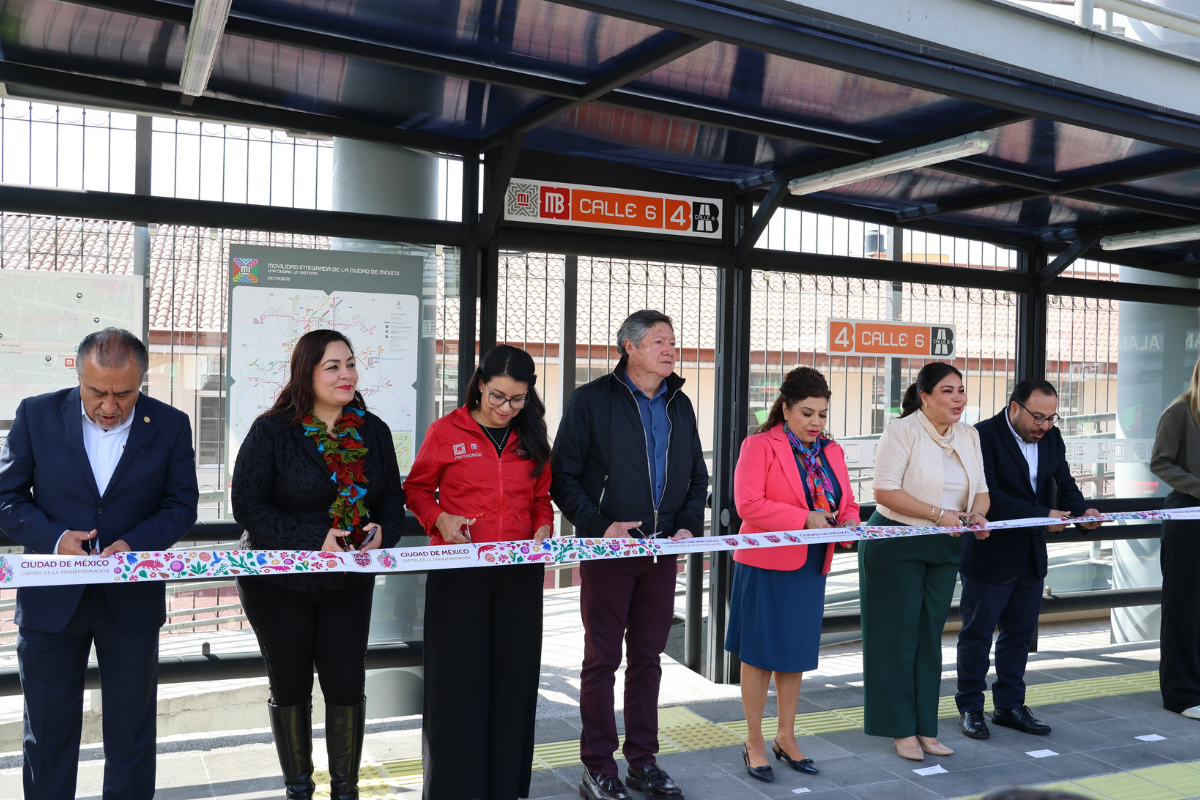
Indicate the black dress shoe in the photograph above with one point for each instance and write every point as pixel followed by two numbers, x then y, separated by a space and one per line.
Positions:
pixel 602 787
pixel 804 765
pixel 1020 718
pixel 654 782
pixel 973 725
pixel 761 773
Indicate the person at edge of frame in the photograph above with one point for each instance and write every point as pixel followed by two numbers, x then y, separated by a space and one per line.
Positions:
pixel 1175 460
pixel 98 469
pixel 1003 576
pixel 628 463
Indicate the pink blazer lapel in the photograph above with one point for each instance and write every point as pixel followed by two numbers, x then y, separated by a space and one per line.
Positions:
pixel 787 461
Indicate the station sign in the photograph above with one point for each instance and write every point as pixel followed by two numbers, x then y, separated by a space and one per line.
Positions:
pixel 877 338
pixel 612 209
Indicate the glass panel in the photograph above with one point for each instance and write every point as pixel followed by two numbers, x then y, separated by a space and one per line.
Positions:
pixel 789 327
pixel 798 231
pixel 1118 365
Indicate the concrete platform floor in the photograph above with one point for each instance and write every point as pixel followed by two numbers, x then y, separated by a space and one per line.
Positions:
pixel 1097 715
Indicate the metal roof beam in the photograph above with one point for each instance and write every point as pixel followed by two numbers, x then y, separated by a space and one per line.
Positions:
pixel 1064 259
pixel 876 216
pixel 675 46
pixel 983 122
pixel 236 216
pixel 1043 187
pixel 790 34
pixel 1066 187
pixel 755 227
pixel 1131 292
pixel 886 270
pixel 498 178
pixel 333 44
pixel 150 100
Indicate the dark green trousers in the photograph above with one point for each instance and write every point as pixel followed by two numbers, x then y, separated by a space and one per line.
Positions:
pixel 905 589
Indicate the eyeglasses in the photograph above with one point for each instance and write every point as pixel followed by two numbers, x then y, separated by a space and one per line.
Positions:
pixel 498 400
pixel 1039 419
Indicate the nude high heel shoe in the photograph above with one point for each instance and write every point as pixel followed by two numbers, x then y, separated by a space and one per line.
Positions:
pixel 909 752
pixel 934 747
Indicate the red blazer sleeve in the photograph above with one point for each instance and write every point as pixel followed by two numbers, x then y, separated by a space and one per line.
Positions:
pixel 543 512
pixel 848 509
pixel 423 480
pixel 750 486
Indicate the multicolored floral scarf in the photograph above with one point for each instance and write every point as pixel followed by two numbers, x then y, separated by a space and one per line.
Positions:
pixel 815 478
pixel 345 455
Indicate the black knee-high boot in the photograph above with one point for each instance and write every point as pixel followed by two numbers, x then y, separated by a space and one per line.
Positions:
pixel 344 730
pixel 292 726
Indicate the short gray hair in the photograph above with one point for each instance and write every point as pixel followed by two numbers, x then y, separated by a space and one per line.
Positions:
pixel 112 347
pixel 637 325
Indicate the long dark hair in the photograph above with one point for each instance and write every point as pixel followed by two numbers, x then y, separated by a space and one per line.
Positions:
pixel 530 423
pixel 296 398
pixel 800 383
pixel 930 376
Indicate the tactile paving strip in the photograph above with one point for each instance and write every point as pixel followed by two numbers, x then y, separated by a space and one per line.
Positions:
pixel 681 729
pixel 1166 782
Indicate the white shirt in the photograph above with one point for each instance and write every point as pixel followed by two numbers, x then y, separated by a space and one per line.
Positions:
pixel 104 450
pixel 954 483
pixel 1028 450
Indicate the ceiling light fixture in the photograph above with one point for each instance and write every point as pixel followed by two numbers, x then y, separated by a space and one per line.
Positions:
pixel 959 147
pixel 1166 236
pixel 203 38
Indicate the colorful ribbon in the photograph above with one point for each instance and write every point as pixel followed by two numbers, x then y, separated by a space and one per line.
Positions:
pixel 17 571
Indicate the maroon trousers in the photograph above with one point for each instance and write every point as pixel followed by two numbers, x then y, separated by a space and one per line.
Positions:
pixel 631 599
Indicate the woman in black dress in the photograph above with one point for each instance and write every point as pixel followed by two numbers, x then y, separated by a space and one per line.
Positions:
pixel 316 472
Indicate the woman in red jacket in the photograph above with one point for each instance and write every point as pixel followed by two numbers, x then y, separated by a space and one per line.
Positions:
pixel 488 463
pixel 789 476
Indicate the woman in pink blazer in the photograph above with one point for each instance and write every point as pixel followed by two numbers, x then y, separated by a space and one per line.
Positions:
pixel 789 476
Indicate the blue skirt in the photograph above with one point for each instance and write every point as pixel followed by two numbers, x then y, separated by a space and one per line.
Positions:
pixel 775 615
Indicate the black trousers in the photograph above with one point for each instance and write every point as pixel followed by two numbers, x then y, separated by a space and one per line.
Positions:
pixel 296 630
pixel 1014 608
pixel 52 668
pixel 1179 640
pixel 483 655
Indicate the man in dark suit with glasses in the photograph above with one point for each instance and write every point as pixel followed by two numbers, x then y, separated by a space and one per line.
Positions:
pixel 1024 458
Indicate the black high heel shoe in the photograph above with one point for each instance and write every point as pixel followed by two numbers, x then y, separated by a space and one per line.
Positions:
pixel 762 773
pixel 804 765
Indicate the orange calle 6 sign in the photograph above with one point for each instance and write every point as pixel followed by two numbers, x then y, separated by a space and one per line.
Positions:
pixel 867 338
pixel 614 209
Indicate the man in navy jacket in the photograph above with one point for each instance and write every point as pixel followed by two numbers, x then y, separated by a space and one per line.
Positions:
pixel 1024 459
pixel 628 463
pixel 98 469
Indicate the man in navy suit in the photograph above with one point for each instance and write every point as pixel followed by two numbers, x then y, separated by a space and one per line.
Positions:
pixel 99 469
pixel 1024 459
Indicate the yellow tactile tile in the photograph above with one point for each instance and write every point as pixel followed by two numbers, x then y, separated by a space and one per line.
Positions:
pixel 1127 786
pixel 681 729
pixel 1165 782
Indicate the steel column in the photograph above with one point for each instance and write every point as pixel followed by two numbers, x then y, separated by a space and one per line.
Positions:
pixel 566 373
pixel 1031 319
pixel 468 276
pixel 731 414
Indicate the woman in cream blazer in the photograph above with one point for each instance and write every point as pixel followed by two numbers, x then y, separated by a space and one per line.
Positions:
pixel 928 471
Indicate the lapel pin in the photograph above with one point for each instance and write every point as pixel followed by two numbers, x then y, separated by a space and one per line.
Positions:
pixel 145 419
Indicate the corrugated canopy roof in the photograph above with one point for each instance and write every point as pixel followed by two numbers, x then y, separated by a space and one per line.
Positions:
pixel 733 90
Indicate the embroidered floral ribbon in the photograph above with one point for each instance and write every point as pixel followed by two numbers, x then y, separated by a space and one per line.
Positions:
pixel 345 455
pixel 35 570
